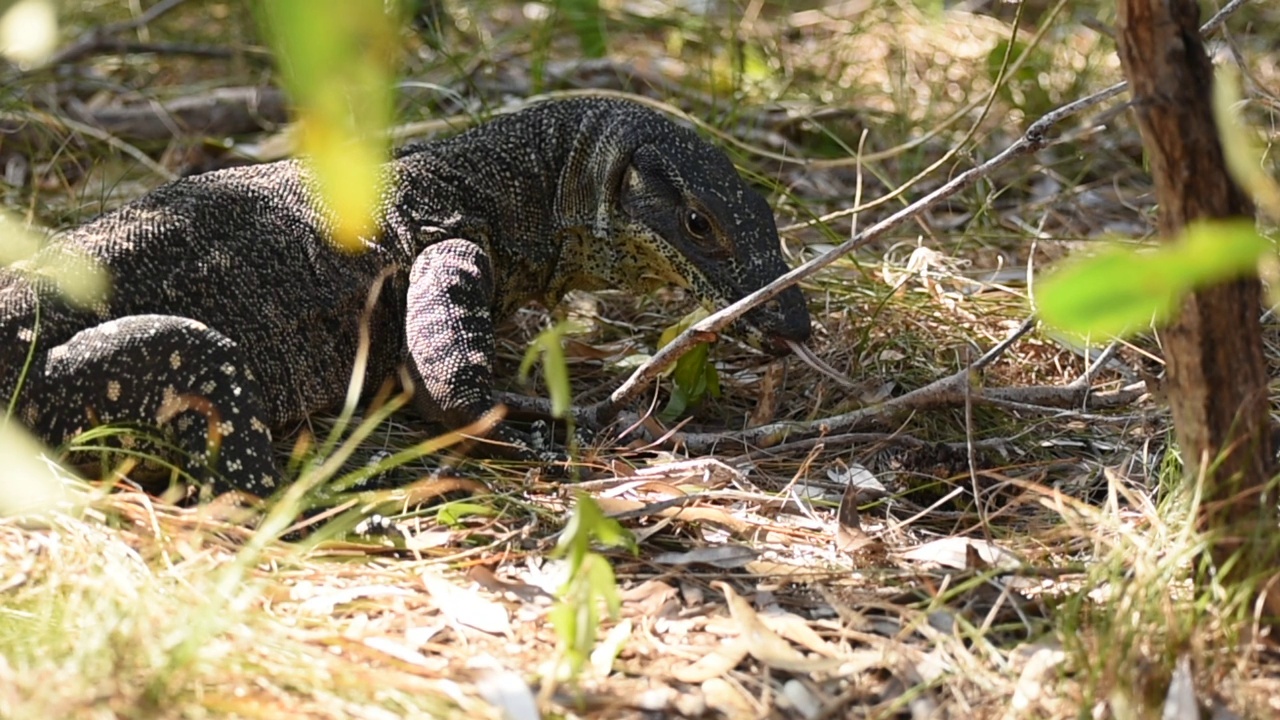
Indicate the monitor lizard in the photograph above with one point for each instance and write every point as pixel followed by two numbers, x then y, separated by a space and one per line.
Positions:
pixel 232 311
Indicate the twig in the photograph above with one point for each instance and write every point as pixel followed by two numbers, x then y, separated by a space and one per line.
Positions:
pixel 222 111
pixel 947 392
pixel 1003 346
pixel 1086 378
pixel 844 440
pixel 951 391
pixel 100 38
pixel 120 46
pixel 971 455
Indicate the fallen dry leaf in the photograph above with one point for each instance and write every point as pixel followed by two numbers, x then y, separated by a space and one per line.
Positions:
pixel 467 607
pixel 714 664
pixel 954 552
pixel 850 537
pixel 763 644
pixel 721 556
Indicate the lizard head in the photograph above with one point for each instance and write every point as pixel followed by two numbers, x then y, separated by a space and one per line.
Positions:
pixel 687 217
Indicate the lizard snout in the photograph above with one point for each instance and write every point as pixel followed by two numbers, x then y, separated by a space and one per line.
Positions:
pixel 781 321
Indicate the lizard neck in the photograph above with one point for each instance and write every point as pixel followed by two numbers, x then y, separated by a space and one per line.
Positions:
pixel 538 190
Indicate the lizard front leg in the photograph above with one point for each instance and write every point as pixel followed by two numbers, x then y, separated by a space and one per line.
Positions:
pixel 449 335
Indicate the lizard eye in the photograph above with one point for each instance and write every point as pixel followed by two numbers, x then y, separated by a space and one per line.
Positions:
pixel 697 225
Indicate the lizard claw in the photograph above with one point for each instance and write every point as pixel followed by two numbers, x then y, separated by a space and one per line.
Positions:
pixel 554 458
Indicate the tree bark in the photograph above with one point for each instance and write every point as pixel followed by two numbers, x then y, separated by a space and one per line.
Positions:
pixel 1217 381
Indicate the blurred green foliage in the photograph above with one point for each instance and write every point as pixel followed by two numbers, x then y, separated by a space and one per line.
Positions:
pixel 337 59
pixel 1121 291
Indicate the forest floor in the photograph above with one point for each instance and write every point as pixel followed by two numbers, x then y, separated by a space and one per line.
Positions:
pixel 1017 550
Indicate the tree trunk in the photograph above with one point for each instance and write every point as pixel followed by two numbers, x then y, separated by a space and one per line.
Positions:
pixel 1217 381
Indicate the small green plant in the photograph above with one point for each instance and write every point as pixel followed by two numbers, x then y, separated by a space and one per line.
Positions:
pixel 548 348
pixel 694 375
pixel 576 617
pixel 453 514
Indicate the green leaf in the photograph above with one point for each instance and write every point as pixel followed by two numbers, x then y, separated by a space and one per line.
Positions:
pixel 589 523
pixel 549 348
pixel 563 618
pixel 713 380
pixel 677 404
pixel 603 584
pixel 694 375
pixel 337 58
pixel 1122 290
pixel 684 323
pixel 453 513
pixel 755 64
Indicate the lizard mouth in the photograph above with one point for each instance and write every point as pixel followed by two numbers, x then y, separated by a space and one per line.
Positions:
pixel 780 345
pixel 781 324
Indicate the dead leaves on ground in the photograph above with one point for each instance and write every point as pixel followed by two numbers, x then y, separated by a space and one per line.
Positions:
pixel 741 600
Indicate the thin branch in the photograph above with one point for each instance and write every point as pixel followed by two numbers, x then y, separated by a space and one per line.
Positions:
pixel 120 46
pixel 868 439
pixel 954 390
pixel 947 392
pixel 1086 378
pixel 951 391
pixel 102 38
pixel 1003 346
pixel 222 111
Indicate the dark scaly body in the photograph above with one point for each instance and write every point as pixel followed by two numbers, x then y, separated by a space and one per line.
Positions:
pixel 229 301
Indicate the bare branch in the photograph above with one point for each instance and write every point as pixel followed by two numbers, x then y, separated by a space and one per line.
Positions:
pixel 223 111
pixel 947 392
pixel 951 391
pixel 102 39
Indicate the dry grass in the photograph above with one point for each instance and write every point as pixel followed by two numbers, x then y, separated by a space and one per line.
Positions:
pixel 1060 589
